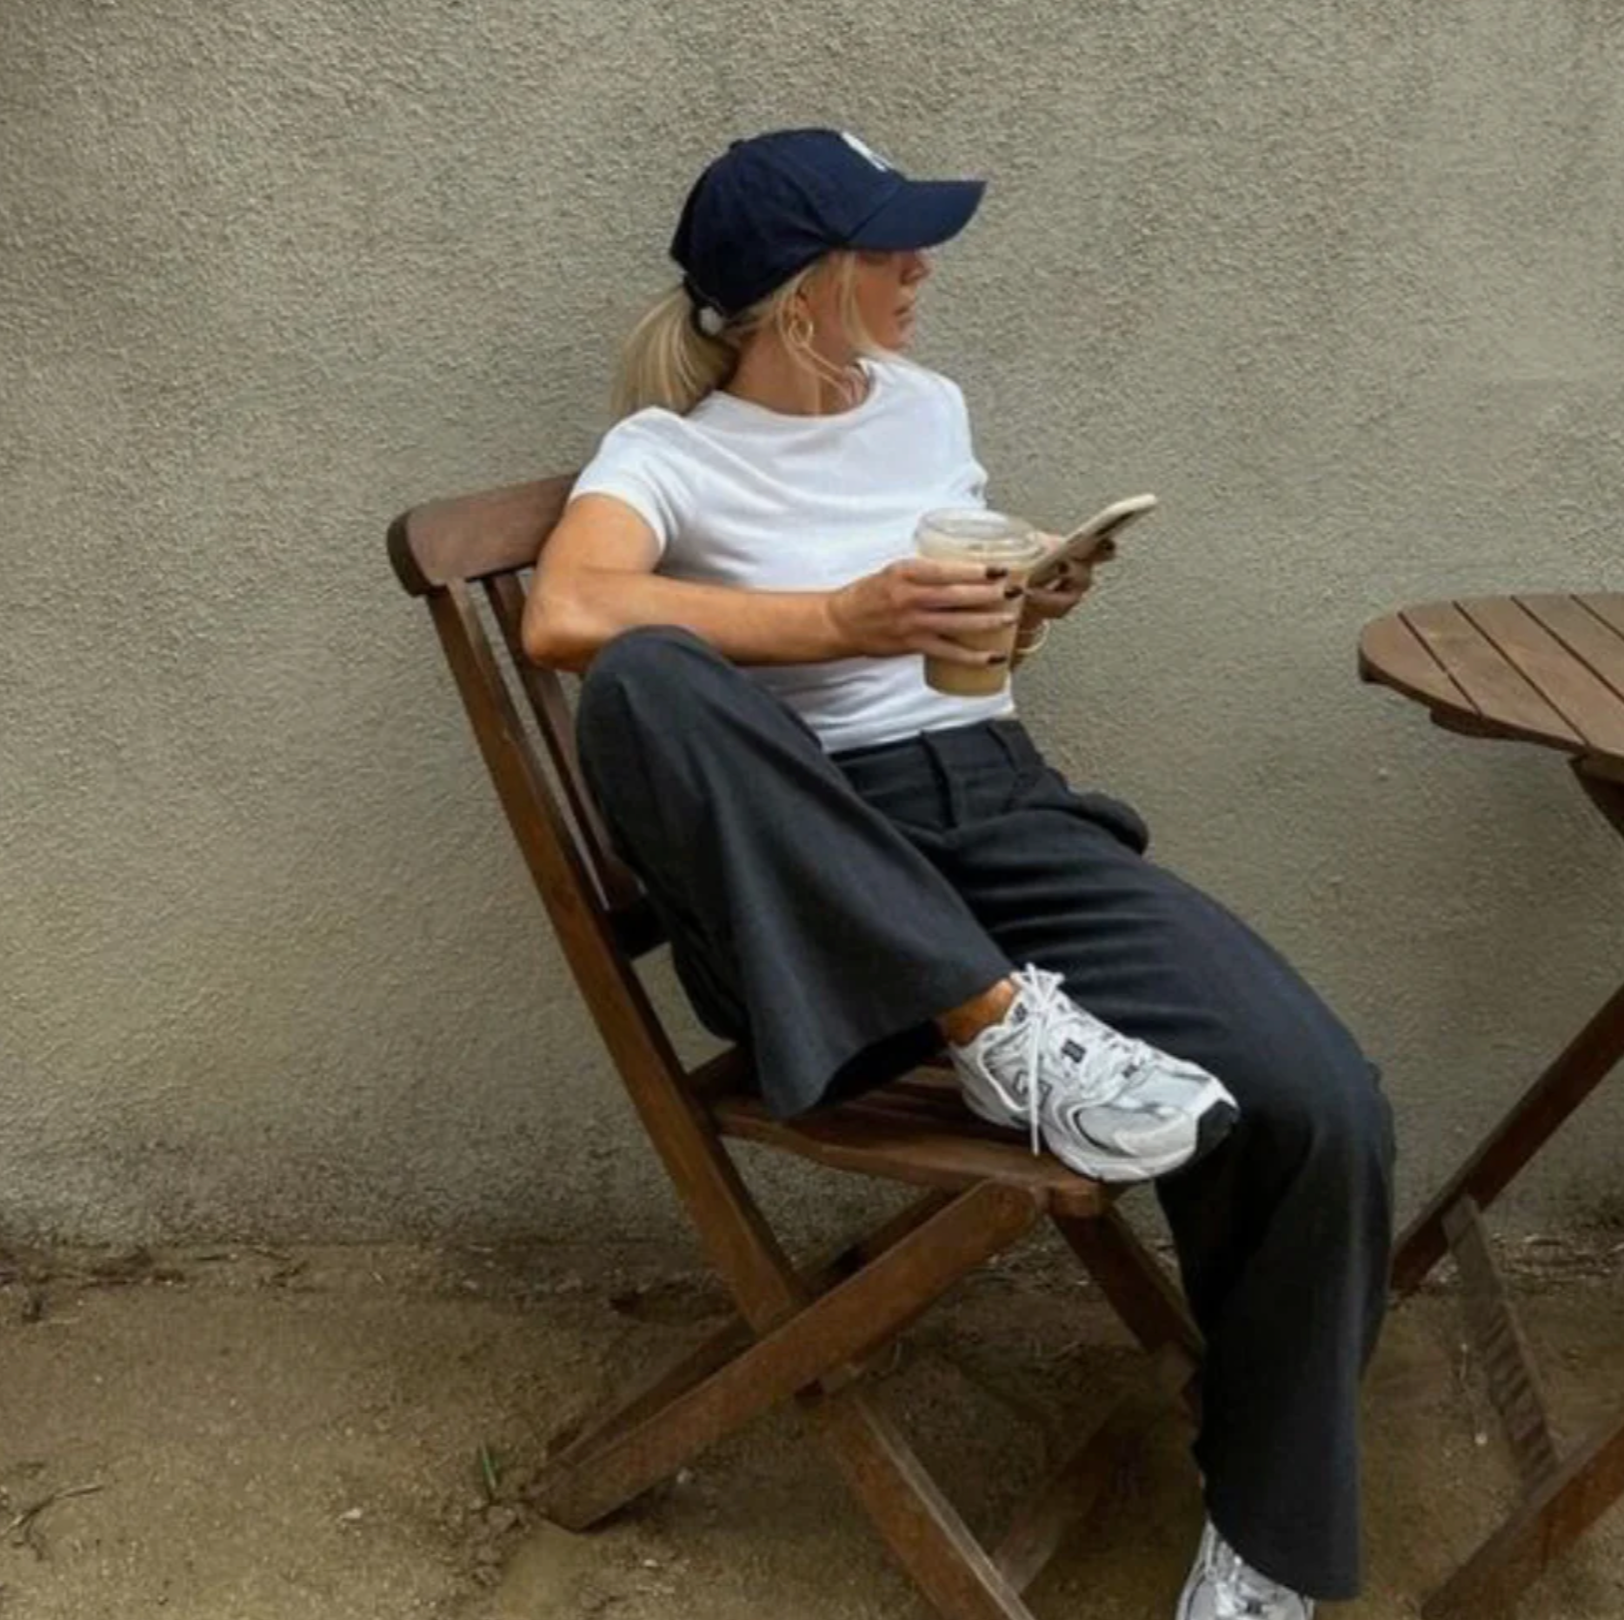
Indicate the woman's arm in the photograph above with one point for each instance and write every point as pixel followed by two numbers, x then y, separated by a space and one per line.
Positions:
pixel 595 578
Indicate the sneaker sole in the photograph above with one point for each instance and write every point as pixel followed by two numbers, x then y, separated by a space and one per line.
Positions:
pixel 1213 1124
pixel 1210 1130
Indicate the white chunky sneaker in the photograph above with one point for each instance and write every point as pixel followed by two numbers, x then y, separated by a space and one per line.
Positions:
pixel 1223 1586
pixel 1106 1105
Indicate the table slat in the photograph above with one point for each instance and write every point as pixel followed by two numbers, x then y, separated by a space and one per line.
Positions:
pixel 1586 702
pixel 1589 638
pixel 1390 651
pixel 1608 606
pixel 1501 693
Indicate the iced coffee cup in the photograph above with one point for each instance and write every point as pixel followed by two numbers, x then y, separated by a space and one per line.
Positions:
pixel 994 540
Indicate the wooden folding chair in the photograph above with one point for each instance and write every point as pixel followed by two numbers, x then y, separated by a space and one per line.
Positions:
pixel 809 1332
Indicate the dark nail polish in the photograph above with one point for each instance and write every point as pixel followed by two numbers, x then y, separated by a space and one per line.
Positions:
pixel 997 573
pixel 1012 591
pixel 999 658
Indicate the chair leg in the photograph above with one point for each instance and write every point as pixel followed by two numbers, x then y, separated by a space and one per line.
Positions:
pixel 852 1319
pixel 1545 1524
pixel 1544 1107
pixel 840 1262
pixel 670 1383
pixel 1134 1281
pixel 1041 1523
pixel 921 1527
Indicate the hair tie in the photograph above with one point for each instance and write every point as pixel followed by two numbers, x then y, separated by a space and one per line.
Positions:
pixel 704 316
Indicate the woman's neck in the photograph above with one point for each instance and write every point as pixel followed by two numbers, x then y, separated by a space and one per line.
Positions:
pixel 767 375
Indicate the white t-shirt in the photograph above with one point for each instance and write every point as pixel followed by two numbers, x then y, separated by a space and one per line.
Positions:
pixel 741 495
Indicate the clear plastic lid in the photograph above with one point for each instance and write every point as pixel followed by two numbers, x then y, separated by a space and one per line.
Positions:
pixel 977 535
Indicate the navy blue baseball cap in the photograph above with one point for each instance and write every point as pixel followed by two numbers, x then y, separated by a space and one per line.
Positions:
pixel 772 205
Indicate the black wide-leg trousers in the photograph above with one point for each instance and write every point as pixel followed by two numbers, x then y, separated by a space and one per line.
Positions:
pixel 826 909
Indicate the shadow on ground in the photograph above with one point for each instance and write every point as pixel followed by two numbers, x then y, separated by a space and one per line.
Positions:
pixel 347 1434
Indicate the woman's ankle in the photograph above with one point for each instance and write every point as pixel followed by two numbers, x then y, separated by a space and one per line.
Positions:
pixel 963 1023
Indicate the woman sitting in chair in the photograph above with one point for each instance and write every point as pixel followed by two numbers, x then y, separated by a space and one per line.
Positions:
pixel 854 867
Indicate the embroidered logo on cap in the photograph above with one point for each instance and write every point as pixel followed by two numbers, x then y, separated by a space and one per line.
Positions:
pixel 864 150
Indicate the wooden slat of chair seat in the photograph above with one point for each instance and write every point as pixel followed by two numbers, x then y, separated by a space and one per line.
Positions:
pixel 915 1129
pixel 924 1149
pixel 926 1096
pixel 940 1108
pixel 730 1073
pixel 938 1111
pixel 805 1334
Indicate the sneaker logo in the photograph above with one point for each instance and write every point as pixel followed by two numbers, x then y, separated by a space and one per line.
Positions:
pixel 866 151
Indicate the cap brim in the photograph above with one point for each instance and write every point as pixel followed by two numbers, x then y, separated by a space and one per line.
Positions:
pixel 919 214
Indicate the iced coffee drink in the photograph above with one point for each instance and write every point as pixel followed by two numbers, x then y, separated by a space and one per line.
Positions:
pixel 994 540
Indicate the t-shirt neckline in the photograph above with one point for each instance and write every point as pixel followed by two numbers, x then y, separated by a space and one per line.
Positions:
pixel 794 419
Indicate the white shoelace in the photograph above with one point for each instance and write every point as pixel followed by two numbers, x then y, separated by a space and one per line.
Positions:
pixel 1041 992
pixel 1243 1593
pixel 1044 1000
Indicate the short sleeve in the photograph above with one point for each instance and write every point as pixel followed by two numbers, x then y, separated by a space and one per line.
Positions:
pixel 634 463
pixel 961 438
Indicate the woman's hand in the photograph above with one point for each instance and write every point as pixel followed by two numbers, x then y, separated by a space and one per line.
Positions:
pixel 919 605
pixel 1074 582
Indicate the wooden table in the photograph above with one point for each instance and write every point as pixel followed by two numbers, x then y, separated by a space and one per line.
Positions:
pixel 1547 670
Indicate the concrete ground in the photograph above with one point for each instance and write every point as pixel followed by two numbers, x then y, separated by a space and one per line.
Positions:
pixel 348 1435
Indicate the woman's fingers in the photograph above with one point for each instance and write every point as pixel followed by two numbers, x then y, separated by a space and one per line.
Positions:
pixel 1063 596
pixel 955 652
pixel 933 571
pixel 944 601
pixel 939 598
pixel 925 605
pixel 963 623
pixel 1052 604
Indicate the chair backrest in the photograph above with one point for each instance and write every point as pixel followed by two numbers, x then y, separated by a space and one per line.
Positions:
pixel 445 552
pixel 451 551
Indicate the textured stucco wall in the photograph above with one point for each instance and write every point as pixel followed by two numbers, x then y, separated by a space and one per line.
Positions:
pixel 1340 279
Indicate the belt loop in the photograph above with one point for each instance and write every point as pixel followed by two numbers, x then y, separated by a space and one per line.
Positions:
pixel 953 797
pixel 997 730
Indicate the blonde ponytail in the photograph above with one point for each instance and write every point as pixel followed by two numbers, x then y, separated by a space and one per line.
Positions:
pixel 667 361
